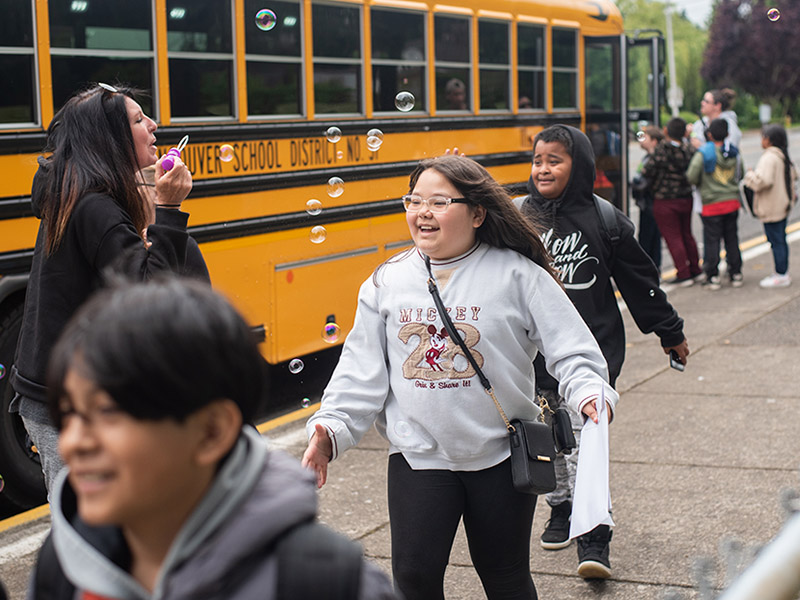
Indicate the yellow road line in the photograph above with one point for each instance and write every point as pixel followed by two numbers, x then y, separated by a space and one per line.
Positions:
pixel 26 517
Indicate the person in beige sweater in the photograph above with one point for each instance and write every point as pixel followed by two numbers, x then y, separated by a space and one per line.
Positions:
pixel 773 182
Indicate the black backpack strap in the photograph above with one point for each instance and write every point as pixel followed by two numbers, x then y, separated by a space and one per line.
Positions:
pixel 608 218
pixel 316 562
pixel 50 581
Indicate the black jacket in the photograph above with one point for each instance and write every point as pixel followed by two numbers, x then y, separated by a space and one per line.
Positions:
pixel 99 239
pixel 587 261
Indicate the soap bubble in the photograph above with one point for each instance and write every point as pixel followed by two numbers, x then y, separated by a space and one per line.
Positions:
pixel 226 153
pixel 334 134
pixel 403 429
pixel 295 366
pixel 2 483
pixel 313 207
pixel 339 155
pixel 318 234
pixel 330 333
pixel 404 101
pixel 374 139
pixel 640 135
pixel 773 14
pixel 335 187
pixel 2 371
pixel 266 19
pixel 305 402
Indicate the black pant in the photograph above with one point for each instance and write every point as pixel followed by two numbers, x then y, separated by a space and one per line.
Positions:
pixel 716 228
pixel 649 235
pixel 425 507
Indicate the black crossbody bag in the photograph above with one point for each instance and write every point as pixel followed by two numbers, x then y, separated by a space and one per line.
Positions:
pixel 532 446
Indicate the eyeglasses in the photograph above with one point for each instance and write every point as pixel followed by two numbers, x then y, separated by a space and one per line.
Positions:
pixel 435 204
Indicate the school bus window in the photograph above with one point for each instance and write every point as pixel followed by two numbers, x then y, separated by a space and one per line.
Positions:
pixel 199 40
pixel 337 59
pixel 17 102
pixel 100 41
pixel 531 68
pixel 600 96
pixel 452 56
pixel 494 65
pixel 71 73
pixel 565 68
pixel 274 60
pixel 398 58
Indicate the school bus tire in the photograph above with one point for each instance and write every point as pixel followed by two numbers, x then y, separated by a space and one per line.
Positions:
pixel 19 464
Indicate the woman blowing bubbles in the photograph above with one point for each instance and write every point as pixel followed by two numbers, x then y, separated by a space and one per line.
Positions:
pixel 93 221
pixel 449 450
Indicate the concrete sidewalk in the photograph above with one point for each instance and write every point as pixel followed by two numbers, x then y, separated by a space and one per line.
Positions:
pixel 697 457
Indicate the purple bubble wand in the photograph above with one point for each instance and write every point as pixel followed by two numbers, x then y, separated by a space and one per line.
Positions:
pixel 169 160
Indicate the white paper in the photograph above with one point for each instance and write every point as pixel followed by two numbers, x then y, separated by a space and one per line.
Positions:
pixel 591 499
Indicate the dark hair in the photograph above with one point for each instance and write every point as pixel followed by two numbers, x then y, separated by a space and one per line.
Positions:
pixel 91 149
pixel 724 97
pixel 161 349
pixel 504 226
pixel 555 133
pixel 777 137
pixel 676 128
pixel 718 130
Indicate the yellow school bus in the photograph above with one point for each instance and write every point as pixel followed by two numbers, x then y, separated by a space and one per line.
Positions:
pixel 304 119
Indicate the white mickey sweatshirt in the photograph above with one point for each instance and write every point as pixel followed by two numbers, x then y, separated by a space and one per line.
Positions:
pixel 400 370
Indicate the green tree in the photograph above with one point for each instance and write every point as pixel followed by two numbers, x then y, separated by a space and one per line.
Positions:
pixel 690 42
pixel 758 55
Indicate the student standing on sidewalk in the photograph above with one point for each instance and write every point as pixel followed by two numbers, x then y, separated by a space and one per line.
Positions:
pixel 642 192
pixel 773 185
pixel 717 174
pixel 449 448
pixel 587 259
pixel 672 204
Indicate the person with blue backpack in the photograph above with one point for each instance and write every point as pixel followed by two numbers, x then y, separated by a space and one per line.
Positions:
pixel 593 247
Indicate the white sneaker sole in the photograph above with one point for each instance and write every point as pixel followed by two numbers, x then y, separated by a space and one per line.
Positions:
pixel 591 569
pixel 555 545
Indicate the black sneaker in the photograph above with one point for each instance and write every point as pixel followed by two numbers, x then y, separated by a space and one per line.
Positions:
pixel 556 532
pixel 681 281
pixel 593 553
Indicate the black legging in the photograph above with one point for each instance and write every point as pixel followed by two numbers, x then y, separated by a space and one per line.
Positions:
pixel 424 510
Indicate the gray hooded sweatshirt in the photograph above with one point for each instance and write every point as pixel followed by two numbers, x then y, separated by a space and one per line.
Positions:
pixel 223 551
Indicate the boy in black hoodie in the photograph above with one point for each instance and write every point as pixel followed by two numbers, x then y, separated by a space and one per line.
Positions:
pixel 561 199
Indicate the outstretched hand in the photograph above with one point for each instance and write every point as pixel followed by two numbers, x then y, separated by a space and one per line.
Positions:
pixel 454 152
pixel 318 454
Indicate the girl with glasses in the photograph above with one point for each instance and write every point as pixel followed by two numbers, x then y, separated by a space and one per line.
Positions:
pixel 448 445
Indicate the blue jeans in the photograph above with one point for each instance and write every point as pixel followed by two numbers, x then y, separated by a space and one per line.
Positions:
pixel 776 235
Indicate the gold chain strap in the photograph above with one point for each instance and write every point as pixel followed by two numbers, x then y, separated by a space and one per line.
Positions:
pixel 509 426
pixel 544 405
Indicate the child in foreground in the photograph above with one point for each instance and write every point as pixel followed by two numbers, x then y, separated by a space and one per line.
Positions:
pixel 448 445
pixel 166 492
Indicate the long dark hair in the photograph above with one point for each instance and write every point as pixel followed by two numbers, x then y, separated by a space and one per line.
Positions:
pixel 89 148
pixel 777 137
pixel 504 226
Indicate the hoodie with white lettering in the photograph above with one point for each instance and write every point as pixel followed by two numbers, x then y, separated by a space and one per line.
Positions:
pixel 587 261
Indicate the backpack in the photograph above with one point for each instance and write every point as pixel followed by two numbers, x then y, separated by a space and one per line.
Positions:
pixel 313 562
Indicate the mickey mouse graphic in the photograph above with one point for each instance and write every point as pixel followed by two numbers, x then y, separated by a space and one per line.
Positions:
pixel 433 355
